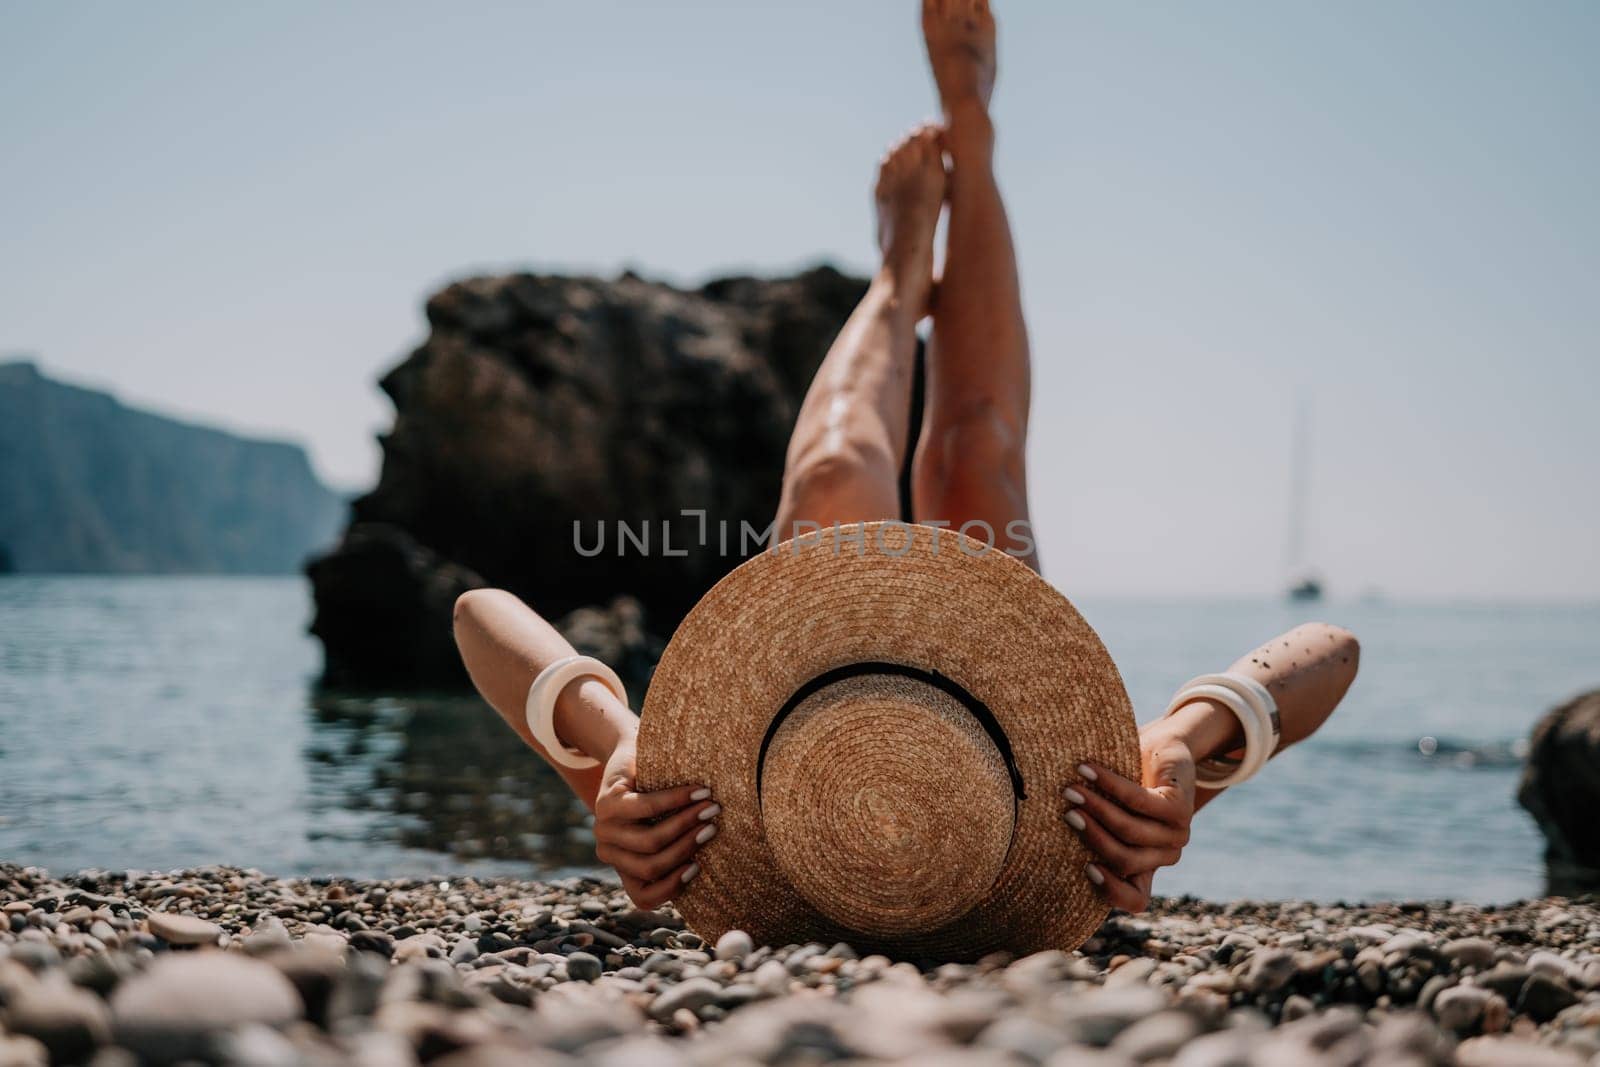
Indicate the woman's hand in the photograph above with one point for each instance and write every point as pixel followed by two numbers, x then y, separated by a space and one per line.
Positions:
pixel 1135 828
pixel 650 838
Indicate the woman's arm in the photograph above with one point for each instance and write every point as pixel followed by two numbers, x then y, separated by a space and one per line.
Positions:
pixel 649 838
pixel 1307 671
pixel 1136 828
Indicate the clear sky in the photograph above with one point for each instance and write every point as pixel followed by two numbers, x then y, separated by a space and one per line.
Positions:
pixel 234 211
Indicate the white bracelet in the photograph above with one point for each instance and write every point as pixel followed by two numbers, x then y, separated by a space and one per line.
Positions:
pixel 1257 713
pixel 544 692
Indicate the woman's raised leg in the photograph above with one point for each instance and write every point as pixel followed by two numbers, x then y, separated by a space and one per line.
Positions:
pixel 849 442
pixel 970 465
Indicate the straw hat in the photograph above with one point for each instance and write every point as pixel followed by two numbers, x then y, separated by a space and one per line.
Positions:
pixel 888 716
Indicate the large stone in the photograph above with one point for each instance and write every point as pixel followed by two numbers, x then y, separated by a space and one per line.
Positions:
pixel 1544 997
pixel 68 1021
pixel 1513 1052
pixel 1560 787
pixel 19 1050
pixel 383 608
pixel 1157 1037
pixel 315 973
pixel 734 945
pixel 176 1008
pixel 1270 970
pixel 177 929
pixel 1471 951
pixel 583 967
pixel 1460 1008
pixel 1097 1016
pixel 692 993
pixel 540 402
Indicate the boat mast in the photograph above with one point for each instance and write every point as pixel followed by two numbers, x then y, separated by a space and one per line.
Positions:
pixel 1299 474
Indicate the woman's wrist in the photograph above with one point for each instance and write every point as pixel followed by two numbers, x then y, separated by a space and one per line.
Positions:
pixel 590 718
pixel 1208 729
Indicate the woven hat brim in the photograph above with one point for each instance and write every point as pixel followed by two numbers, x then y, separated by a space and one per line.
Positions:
pixel 919 597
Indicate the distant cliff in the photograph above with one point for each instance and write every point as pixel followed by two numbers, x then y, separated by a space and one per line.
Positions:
pixel 89 485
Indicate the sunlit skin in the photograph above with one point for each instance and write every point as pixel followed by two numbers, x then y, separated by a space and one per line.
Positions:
pixel 847 448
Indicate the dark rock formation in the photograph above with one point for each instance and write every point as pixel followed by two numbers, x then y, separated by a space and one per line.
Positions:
pixel 383 609
pixel 1561 788
pixel 541 413
pixel 89 485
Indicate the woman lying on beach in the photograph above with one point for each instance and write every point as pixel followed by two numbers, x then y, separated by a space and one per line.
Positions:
pixel 843 462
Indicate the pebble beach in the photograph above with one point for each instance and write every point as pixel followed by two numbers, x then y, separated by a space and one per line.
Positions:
pixel 232 966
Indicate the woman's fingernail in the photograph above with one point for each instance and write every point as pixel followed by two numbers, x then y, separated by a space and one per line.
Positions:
pixel 1075 820
pixel 700 794
pixel 694 868
pixel 708 833
pixel 1074 796
pixel 1094 875
pixel 711 813
pixel 1088 772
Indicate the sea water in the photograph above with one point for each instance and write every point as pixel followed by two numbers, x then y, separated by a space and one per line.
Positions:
pixel 153 723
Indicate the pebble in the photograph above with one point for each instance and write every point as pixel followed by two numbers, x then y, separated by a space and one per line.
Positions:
pixel 177 929
pixel 1222 1049
pixel 69 1022
pixel 1097 1016
pixel 1270 970
pixel 465 950
pixel 1543 962
pixel 772 978
pixel 1476 952
pixel 19 1050
pixel 1512 1052
pixel 1496 1015
pixel 1157 1037
pixel 1460 1008
pixel 1021 1037
pixel 470 971
pixel 418 947
pixel 690 994
pixel 172 1010
pixel 734 945
pixel 1543 996
pixel 269 935
pixel 1133 972
pixel 374 941
pixel 1505 979
pixel 582 967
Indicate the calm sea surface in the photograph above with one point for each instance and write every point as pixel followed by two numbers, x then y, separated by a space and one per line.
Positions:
pixel 161 722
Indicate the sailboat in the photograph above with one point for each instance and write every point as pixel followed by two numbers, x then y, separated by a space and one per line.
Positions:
pixel 1306 589
pixel 1304 585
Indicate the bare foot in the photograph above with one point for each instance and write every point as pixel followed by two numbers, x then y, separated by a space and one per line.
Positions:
pixel 960 39
pixel 910 193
